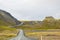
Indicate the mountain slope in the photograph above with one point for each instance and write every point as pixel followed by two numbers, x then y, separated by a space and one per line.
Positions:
pixel 7 19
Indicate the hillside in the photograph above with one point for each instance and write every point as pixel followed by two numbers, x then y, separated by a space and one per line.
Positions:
pixel 48 23
pixel 6 19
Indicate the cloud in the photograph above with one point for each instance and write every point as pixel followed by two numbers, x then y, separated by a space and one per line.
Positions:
pixel 31 9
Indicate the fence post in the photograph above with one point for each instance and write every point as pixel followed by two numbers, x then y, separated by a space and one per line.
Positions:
pixel 41 37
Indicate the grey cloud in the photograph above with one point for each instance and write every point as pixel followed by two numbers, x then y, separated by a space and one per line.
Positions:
pixel 31 9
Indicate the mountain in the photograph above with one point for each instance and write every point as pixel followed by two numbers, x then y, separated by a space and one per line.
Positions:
pixel 48 22
pixel 49 19
pixel 7 19
pixel 31 22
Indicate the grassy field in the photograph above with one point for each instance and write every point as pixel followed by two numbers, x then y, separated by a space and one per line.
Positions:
pixel 5 35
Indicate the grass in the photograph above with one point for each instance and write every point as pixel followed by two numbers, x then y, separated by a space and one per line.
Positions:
pixel 29 34
pixel 6 28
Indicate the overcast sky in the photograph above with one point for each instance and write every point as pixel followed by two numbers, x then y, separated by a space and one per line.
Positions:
pixel 31 9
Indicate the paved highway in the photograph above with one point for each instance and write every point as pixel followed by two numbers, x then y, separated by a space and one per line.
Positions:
pixel 21 36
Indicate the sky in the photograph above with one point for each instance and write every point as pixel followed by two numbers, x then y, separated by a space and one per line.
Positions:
pixel 31 9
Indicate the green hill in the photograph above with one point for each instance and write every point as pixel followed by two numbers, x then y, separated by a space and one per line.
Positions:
pixel 6 19
pixel 48 23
